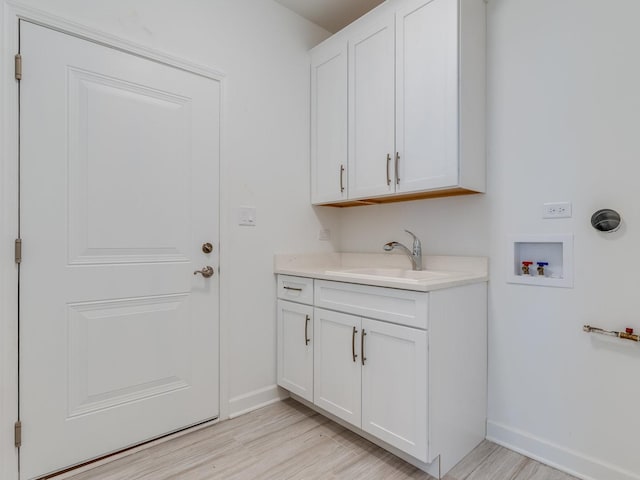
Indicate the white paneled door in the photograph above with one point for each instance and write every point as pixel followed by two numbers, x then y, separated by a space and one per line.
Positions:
pixel 119 195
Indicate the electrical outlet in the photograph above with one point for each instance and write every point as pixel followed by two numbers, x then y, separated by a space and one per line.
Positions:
pixel 556 210
pixel 324 234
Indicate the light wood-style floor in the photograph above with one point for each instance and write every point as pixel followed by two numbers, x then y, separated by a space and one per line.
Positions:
pixel 287 440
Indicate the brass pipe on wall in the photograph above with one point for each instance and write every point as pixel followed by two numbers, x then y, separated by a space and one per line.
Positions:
pixel 628 335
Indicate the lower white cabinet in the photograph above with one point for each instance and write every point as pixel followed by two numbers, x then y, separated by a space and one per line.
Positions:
pixel 337 371
pixel 373 375
pixel 405 369
pixel 394 386
pixel 295 348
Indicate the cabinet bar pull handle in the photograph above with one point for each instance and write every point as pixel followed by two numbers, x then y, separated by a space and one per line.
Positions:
pixel 397 171
pixel 306 330
pixel 353 344
pixel 341 178
pixel 292 288
pixel 388 163
pixel 362 357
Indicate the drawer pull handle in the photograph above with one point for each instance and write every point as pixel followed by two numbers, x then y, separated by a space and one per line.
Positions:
pixel 341 178
pixel 292 288
pixel 353 344
pixel 362 357
pixel 397 170
pixel 306 330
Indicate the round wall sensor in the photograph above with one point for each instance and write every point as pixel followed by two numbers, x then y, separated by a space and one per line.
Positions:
pixel 606 220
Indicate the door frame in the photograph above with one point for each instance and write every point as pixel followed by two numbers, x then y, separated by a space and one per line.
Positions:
pixel 11 12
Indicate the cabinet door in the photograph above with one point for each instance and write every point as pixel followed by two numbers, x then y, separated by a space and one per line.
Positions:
pixel 295 348
pixel 394 386
pixel 427 95
pixel 337 370
pixel 371 107
pixel 329 122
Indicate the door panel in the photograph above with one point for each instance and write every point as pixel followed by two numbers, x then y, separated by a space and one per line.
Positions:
pixel 329 122
pixel 394 386
pixel 295 348
pixel 427 95
pixel 371 109
pixel 98 379
pixel 119 190
pixel 112 121
pixel 336 373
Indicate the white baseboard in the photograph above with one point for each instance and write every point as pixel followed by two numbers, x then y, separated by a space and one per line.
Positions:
pixel 556 456
pixel 253 400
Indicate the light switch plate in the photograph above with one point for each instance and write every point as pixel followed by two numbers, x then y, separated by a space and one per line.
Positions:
pixel 247 216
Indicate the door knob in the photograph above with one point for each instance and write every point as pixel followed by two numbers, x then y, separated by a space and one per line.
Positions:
pixel 206 272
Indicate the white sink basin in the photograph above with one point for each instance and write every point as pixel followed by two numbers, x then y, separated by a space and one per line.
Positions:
pixel 393 274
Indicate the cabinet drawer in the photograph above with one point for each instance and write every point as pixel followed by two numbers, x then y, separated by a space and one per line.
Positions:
pixel 403 307
pixel 295 289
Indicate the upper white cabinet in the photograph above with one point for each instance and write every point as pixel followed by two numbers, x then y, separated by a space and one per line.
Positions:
pixel 329 122
pixel 415 105
pixel 371 107
pixel 427 95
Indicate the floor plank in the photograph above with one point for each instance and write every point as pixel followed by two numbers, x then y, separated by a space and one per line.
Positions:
pixel 288 441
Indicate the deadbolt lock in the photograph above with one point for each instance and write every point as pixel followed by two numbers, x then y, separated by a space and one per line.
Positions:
pixel 207 247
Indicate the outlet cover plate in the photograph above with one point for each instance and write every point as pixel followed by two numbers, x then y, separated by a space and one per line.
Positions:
pixel 324 234
pixel 556 210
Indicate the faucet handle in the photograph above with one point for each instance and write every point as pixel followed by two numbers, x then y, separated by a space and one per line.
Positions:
pixel 416 240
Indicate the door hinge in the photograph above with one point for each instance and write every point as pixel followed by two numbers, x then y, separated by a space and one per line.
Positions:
pixel 18 251
pixel 17 433
pixel 18 66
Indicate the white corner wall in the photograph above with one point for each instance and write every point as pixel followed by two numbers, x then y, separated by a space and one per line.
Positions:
pixel 563 125
pixel 261 47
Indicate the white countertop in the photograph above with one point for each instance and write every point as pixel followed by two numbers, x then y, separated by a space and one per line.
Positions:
pixel 448 271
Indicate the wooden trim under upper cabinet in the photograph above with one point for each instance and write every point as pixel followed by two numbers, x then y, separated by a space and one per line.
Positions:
pixel 449 192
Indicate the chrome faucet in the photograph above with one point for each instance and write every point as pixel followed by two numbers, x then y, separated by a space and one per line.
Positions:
pixel 415 256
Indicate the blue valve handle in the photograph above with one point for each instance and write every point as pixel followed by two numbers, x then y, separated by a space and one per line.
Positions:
pixel 542 264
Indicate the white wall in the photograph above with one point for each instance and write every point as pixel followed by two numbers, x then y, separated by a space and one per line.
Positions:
pixel 563 123
pixel 564 107
pixel 262 49
pixel 444 225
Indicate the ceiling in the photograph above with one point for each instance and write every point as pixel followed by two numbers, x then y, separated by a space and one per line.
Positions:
pixel 331 15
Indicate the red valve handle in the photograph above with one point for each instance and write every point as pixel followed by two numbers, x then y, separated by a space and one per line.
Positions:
pixel 629 330
pixel 526 264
